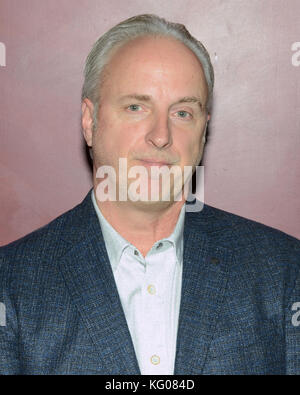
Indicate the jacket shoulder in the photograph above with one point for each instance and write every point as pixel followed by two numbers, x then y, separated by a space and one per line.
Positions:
pixel 234 231
pixel 260 254
pixel 49 241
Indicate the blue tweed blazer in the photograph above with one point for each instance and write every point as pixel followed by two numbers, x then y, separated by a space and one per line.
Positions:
pixel 238 312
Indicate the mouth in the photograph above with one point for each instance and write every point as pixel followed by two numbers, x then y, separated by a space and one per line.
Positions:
pixel 154 162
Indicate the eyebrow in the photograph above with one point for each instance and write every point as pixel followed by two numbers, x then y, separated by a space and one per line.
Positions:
pixel 137 97
pixel 191 99
pixel 147 98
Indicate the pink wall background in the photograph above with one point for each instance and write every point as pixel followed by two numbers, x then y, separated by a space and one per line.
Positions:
pixel 252 161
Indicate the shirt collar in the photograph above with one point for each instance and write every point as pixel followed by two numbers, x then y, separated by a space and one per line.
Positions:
pixel 116 244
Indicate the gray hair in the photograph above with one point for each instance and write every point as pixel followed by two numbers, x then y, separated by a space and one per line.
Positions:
pixel 137 26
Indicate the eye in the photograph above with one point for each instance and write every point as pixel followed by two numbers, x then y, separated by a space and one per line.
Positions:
pixel 134 107
pixel 183 114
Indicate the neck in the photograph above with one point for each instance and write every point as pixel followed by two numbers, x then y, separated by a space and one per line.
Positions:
pixel 141 224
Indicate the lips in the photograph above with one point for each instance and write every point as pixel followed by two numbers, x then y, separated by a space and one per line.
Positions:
pixel 154 162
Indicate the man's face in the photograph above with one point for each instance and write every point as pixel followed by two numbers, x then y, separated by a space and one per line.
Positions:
pixel 152 107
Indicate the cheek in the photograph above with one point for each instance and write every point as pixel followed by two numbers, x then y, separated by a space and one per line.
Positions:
pixel 113 140
pixel 105 135
pixel 197 146
pixel 191 150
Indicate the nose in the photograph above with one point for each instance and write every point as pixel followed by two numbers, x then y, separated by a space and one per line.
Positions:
pixel 159 134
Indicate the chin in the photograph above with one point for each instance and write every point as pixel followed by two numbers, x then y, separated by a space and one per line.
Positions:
pixel 152 206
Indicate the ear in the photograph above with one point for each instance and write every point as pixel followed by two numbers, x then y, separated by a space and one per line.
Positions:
pixel 204 133
pixel 87 111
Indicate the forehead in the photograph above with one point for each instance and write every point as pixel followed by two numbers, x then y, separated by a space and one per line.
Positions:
pixel 160 63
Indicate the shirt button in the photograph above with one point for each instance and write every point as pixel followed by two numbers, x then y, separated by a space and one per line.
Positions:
pixel 151 289
pixel 155 360
pixel 136 252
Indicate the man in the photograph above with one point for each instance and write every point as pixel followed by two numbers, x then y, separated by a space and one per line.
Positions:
pixel 129 286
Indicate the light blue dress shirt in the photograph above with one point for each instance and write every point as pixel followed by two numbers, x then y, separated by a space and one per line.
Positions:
pixel 149 289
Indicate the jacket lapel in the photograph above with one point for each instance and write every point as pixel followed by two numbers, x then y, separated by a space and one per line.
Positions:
pixel 89 278
pixel 205 272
